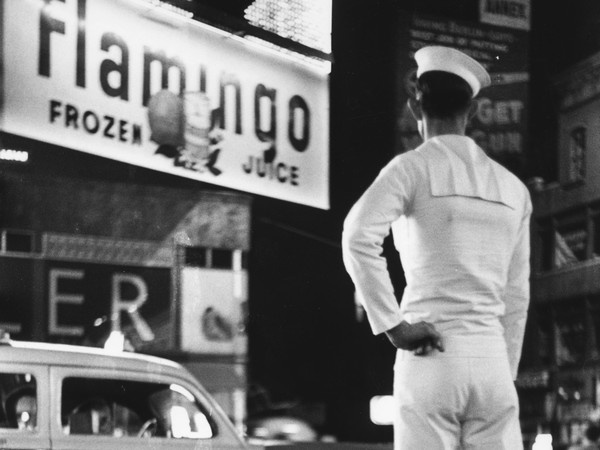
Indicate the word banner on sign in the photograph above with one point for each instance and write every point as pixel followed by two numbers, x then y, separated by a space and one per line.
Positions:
pixel 500 124
pixel 123 80
pixel 506 13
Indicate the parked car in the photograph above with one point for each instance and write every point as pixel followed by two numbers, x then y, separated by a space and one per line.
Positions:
pixel 56 396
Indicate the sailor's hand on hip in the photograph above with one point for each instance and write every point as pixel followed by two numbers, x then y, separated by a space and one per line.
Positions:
pixel 421 337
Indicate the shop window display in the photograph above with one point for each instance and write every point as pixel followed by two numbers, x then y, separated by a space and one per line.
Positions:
pixel 571 334
pixel 596 234
pixel 571 241
pixel 594 319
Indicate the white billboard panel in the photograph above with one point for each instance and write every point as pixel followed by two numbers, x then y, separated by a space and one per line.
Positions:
pixel 123 79
pixel 212 311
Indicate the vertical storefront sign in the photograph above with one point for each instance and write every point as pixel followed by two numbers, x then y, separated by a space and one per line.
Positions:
pixel 124 80
pixel 500 125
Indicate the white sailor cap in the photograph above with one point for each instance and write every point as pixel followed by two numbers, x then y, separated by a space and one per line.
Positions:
pixel 450 60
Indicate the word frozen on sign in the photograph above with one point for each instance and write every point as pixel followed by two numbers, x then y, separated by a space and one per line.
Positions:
pixel 95 123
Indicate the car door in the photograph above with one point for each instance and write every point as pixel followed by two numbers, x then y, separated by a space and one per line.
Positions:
pixel 107 409
pixel 24 406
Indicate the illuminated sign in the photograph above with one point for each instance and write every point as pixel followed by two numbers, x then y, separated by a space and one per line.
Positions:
pixel 82 299
pixel 382 409
pixel 7 154
pixel 543 442
pixel 150 88
pixel 506 13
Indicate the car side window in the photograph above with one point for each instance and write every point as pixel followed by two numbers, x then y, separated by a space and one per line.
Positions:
pixel 119 408
pixel 18 394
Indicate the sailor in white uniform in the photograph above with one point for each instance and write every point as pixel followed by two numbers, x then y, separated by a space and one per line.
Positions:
pixel 460 222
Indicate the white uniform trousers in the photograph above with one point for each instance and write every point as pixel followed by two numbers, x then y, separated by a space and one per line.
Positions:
pixel 463 398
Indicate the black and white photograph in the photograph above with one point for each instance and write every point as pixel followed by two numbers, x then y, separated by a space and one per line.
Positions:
pixel 300 224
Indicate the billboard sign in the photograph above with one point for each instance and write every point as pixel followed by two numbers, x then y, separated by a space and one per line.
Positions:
pixel 124 80
pixel 500 125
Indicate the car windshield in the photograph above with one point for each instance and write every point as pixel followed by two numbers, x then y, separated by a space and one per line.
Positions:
pixel 95 406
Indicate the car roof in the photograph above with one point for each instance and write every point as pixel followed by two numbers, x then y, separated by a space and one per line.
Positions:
pixel 82 356
pixel 50 354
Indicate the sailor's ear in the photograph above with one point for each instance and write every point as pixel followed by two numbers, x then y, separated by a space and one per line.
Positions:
pixel 415 108
pixel 473 108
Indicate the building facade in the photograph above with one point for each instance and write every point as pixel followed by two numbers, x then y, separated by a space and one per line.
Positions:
pixel 559 380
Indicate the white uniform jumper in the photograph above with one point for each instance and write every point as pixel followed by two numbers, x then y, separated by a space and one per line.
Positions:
pixel 460 222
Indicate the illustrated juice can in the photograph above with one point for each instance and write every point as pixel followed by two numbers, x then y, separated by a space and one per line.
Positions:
pixel 197 126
